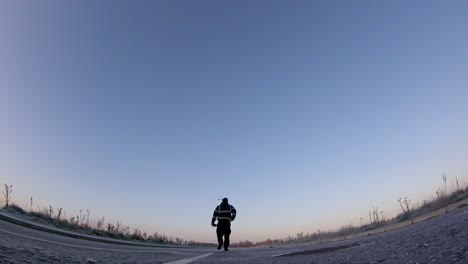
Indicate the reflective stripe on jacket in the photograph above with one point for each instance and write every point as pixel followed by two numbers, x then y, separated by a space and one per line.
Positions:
pixel 224 212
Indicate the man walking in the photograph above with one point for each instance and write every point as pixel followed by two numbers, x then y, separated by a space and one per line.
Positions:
pixel 225 213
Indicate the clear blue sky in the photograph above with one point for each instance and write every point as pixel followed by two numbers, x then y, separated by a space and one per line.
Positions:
pixel 305 114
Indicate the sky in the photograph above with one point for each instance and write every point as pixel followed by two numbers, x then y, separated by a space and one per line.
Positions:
pixel 305 114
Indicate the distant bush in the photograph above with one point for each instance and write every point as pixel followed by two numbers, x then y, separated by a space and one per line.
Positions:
pixel 37 215
pixel 14 209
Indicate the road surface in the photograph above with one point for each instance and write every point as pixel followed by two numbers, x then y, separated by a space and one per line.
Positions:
pixel 440 240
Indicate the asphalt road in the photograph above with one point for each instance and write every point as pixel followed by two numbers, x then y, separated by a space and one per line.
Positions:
pixel 440 240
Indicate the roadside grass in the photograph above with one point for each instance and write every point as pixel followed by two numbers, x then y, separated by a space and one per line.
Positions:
pixel 438 203
pixel 117 231
pixel 442 200
pixel 45 218
pixel 81 223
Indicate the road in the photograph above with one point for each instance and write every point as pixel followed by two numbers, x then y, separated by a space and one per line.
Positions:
pixel 440 240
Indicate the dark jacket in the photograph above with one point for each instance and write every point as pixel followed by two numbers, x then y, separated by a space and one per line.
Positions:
pixel 224 213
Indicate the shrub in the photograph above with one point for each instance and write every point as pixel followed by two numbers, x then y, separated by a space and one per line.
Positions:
pixel 13 208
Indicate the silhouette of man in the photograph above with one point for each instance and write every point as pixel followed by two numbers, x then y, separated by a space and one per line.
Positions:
pixel 225 213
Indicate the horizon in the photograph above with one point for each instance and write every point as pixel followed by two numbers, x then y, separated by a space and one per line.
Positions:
pixel 305 114
pixel 346 221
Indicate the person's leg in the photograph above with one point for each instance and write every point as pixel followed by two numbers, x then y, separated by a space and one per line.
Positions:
pixel 219 233
pixel 226 237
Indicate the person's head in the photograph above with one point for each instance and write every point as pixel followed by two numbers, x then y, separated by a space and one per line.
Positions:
pixel 225 200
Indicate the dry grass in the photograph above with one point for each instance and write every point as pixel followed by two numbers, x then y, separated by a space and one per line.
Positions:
pixel 409 212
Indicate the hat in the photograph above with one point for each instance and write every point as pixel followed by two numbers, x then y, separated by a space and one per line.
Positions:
pixel 225 199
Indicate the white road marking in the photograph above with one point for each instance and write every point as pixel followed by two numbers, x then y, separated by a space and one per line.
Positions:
pixel 96 248
pixel 188 260
pixel 282 254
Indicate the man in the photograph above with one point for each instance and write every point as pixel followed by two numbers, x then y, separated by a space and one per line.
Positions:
pixel 225 213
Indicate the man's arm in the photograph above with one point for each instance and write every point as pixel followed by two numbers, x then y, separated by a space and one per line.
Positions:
pixel 215 215
pixel 233 213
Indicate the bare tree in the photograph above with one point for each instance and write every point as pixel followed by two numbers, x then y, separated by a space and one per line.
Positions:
pixel 87 216
pixel 50 211
pixel 59 213
pixel 444 178
pixel 405 202
pixel 7 194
